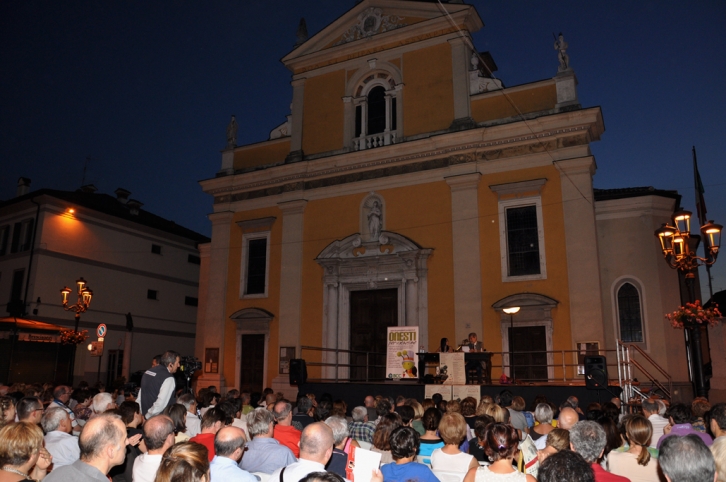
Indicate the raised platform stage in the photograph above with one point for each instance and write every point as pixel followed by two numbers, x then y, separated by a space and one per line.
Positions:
pixel 354 393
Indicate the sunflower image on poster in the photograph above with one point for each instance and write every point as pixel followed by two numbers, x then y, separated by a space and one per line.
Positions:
pixel 407 363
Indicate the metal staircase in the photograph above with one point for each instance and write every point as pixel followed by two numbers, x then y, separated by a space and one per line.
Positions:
pixel 634 362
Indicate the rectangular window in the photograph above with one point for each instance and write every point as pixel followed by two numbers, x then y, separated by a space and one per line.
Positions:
pixel 152 294
pixel 194 259
pixel 26 235
pixel 15 244
pixel 522 239
pixel 16 292
pixel 156 249
pixel 4 239
pixel 255 264
pixel 191 301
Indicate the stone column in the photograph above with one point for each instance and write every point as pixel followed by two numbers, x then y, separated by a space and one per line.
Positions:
pixel 578 209
pixel 291 279
pixel 348 121
pixel 298 97
pixel 331 328
pixel 462 105
pixel 211 313
pixel 467 267
pixel 411 302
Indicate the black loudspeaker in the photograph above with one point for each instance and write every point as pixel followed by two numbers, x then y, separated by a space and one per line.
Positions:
pixel 298 372
pixel 596 372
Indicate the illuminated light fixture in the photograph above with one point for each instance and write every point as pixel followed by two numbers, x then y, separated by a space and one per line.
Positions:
pixel 85 295
pixel 71 211
pixel 679 249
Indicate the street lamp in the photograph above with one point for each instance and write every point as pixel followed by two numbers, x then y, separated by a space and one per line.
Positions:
pixel 511 311
pixel 85 294
pixel 679 250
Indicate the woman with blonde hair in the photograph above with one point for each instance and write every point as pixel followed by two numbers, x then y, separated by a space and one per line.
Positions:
pixel 22 456
pixel 184 462
pixel 635 461
pixel 557 441
pixel 449 458
pixel 498 413
pixel 718 449
pixel 418 412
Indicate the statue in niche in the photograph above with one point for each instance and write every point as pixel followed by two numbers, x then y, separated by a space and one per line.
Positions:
pixel 561 47
pixel 232 134
pixel 374 220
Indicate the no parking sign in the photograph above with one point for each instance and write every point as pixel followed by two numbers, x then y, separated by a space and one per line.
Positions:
pixel 101 330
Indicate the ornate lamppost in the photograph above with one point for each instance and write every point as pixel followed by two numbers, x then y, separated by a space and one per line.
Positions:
pixel 679 249
pixel 511 311
pixel 85 294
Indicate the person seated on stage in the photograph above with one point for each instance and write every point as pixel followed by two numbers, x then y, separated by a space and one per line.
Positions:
pixel 444 347
pixel 430 440
pixel 474 346
pixel 404 445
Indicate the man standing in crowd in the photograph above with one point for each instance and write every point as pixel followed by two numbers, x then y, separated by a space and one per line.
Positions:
pixel 650 410
pixel 588 439
pixel 61 395
pixel 29 409
pixel 192 419
pixel 229 445
pixel 159 436
pixel 680 417
pixel 285 433
pixel 58 439
pixel 102 445
pixel 684 459
pixel 158 384
pixel 316 447
pixel 264 453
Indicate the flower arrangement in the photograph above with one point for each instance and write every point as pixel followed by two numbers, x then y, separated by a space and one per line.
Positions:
pixel 73 337
pixel 693 315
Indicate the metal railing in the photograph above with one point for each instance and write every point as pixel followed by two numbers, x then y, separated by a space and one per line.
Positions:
pixel 627 360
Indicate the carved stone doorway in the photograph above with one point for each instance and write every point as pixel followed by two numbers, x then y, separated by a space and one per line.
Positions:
pixel 391 261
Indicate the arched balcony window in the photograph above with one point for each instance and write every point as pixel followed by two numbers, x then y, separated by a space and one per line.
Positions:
pixel 629 314
pixel 376 111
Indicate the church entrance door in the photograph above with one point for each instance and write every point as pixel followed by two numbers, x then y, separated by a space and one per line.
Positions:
pixel 371 312
pixel 529 344
pixel 252 363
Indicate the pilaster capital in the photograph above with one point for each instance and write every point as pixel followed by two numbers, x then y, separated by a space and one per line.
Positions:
pixel 298 82
pixel 463 182
pixel 220 217
pixel 293 207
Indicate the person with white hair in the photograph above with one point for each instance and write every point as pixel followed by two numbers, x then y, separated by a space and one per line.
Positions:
pixel 588 439
pixel 102 402
pixel 264 453
pixel 58 439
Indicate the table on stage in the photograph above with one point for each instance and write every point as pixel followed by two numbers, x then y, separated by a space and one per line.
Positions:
pixel 431 358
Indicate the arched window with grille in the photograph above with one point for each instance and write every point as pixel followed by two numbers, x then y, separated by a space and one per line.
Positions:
pixel 630 316
pixel 376 120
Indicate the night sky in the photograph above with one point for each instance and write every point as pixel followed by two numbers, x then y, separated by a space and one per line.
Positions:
pixel 145 89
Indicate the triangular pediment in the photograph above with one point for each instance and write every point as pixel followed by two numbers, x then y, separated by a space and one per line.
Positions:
pixel 380 21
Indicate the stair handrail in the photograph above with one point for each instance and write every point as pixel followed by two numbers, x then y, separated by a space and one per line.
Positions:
pixel 625 371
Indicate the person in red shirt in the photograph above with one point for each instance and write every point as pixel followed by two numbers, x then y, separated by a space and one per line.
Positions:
pixel 588 439
pixel 285 433
pixel 212 421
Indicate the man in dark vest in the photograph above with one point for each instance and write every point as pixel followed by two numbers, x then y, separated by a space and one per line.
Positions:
pixel 158 385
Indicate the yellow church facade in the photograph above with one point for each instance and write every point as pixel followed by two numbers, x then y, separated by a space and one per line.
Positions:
pixel 410 187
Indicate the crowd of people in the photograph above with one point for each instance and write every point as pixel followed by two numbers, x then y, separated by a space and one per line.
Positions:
pixel 159 434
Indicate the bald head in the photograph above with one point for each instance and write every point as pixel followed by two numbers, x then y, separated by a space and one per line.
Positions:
pixel 159 434
pixel 101 433
pixel 316 443
pixel 567 419
pixel 229 442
